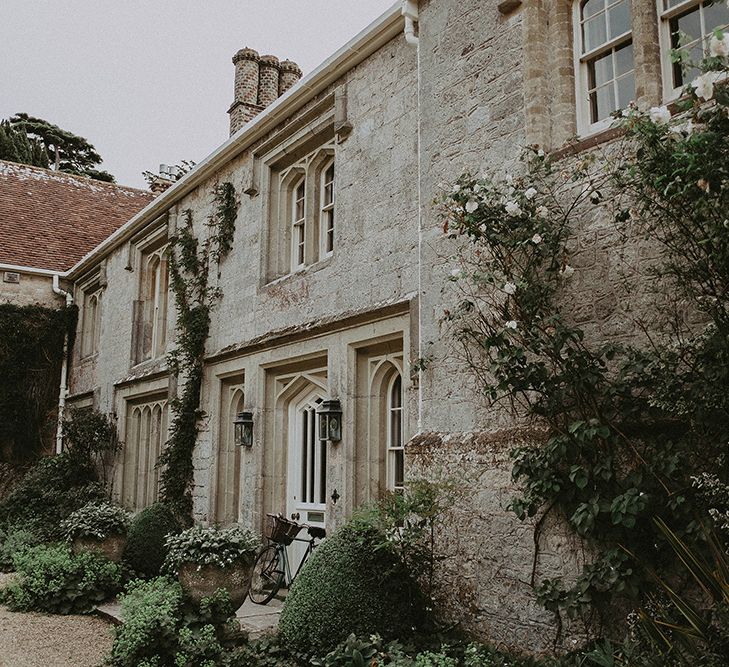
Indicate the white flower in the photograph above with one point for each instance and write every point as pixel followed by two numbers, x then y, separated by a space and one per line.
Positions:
pixel 512 208
pixel 704 85
pixel 537 239
pixel 531 193
pixel 566 271
pixel 471 205
pixel 456 188
pixel 483 228
pixel 719 47
pixel 511 324
pixel 541 153
pixel 660 115
pixel 509 288
pixel 543 212
pixel 456 274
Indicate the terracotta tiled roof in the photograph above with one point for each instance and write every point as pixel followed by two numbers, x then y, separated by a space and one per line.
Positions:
pixel 50 220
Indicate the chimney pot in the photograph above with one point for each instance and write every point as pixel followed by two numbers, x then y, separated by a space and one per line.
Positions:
pixel 290 75
pixel 268 81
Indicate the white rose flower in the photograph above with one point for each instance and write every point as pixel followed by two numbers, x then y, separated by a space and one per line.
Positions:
pixel 719 47
pixel 704 85
pixel 543 212
pixel 509 288
pixel 566 271
pixel 660 115
pixel 483 228
pixel 537 239
pixel 541 153
pixel 531 193
pixel 512 208
pixel 471 205
pixel 456 188
pixel 511 324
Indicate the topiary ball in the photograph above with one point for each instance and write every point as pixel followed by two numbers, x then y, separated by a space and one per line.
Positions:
pixel 349 587
pixel 145 550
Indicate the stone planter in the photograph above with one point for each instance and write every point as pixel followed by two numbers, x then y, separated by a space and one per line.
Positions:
pixel 112 547
pixel 202 582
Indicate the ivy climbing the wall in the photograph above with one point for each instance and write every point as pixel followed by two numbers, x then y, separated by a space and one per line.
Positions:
pixel 31 351
pixel 636 432
pixel 191 263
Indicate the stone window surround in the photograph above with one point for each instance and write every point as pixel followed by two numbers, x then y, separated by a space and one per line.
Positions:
pixel 143 252
pixel 303 154
pixel 90 296
pixel 550 91
pixel 137 395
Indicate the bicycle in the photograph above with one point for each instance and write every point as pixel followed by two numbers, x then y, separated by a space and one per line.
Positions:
pixel 271 569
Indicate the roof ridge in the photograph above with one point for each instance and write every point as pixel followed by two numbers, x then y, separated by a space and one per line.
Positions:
pixel 83 179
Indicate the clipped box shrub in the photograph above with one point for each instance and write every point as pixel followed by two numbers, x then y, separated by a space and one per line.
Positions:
pixel 54 580
pixel 349 587
pixel 145 551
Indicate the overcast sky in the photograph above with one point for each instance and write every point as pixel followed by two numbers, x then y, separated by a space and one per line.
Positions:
pixel 150 82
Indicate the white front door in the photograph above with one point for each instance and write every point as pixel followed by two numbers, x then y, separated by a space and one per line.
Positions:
pixel 307 470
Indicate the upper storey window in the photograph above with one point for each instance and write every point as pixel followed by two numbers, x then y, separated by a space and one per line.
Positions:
pixel 303 213
pixel 298 232
pixel 91 321
pixel 606 79
pixel 688 24
pixel 150 310
pixel 327 210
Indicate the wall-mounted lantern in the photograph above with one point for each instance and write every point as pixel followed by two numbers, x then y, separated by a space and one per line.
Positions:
pixel 243 433
pixel 330 421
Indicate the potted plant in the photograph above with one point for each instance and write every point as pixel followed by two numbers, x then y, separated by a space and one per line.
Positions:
pixel 99 527
pixel 206 559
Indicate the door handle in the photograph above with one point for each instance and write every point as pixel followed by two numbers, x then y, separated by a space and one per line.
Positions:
pixel 295 516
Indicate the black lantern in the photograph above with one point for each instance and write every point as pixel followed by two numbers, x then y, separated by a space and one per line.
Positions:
pixel 243 434
pixel 330 421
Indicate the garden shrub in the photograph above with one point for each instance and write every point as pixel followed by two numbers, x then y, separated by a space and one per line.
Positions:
pixel 49 492
pixel 151 612
pixel 211 546
pixel 13 540
pixel 99 519
pixel 145 550
pixel 163 629
pixel 54 580
pixel 349 586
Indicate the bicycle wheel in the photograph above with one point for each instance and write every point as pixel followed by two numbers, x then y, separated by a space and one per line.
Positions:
pixel 268 575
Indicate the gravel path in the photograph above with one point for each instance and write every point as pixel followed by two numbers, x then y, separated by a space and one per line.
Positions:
pixel 45 640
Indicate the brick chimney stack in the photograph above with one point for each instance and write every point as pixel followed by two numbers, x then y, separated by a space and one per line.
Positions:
pixel 259 81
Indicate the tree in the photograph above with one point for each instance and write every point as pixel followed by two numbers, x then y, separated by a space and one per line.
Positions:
pixel 16 146
pixel 70 153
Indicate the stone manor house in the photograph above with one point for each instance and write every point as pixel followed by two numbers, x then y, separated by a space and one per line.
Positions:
pixel 339 274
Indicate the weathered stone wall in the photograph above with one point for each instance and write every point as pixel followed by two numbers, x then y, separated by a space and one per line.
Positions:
pixel 31 290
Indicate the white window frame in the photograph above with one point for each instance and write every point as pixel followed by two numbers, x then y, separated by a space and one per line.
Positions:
pixel 671 92
pixel 298 225
pixel 327 212
pixel 585 126
pixel 395 449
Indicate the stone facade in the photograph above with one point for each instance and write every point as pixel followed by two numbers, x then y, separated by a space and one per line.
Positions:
pixel 487 78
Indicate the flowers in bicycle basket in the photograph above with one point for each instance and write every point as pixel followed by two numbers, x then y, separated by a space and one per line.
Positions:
pixel 210 546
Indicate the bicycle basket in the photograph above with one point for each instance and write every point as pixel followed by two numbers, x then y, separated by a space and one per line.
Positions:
pixel 282 531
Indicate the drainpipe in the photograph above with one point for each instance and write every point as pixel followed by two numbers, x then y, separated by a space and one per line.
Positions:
pixel 411 14
pixel 62 390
